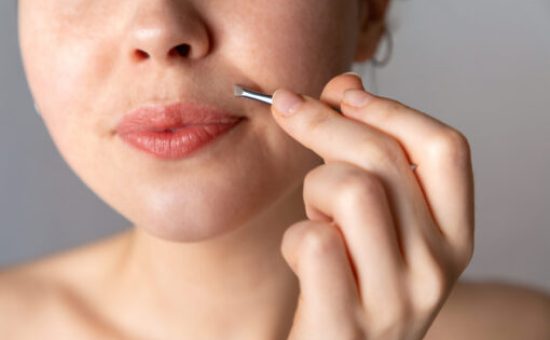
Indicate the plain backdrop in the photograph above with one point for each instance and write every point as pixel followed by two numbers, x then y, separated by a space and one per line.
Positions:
pixel 482 66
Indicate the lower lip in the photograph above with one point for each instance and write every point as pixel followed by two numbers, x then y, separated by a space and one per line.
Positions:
pixel 179 143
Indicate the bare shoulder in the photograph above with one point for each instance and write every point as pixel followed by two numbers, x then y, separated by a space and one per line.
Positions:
pixel 493 310
pixel 48 293
pixel 25 297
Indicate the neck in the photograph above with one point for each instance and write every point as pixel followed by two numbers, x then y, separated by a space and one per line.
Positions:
pixel 237 276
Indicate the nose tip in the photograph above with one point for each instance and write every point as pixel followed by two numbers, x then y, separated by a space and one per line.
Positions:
pixel 164 35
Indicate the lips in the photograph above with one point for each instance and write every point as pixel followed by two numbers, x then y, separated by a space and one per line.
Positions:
pixel 175 131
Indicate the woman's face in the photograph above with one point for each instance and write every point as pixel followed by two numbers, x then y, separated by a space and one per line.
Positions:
pixel 89 62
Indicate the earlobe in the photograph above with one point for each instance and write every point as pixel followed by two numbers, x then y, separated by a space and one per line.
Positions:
pixel 387 48
pixel 368 42
pixel 371 28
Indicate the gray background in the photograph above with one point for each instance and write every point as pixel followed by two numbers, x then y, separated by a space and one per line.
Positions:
pixel 481 66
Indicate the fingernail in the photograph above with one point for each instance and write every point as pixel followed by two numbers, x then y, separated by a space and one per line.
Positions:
pixel 286 102
pixel 355 97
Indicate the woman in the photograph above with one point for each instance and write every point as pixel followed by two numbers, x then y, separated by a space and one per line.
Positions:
pixel 294 221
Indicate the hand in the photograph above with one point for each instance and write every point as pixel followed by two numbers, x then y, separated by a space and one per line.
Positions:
pixel 383 244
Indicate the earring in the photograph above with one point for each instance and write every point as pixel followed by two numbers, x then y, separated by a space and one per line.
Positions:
pixel 36 109
pixel 388 38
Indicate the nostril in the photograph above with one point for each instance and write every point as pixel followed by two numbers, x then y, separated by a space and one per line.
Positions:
pixel 140 55
pixel 181 50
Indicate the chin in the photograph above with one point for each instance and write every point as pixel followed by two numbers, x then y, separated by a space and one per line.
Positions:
pixel 176 226
pixel 202 214
pixel 186 224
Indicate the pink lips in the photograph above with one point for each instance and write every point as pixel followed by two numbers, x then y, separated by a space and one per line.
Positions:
pixel 174 131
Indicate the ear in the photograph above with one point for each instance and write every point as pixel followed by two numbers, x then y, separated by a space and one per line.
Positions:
pixel 372 23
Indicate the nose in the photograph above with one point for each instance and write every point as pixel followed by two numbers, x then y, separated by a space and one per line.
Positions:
pixel 164 32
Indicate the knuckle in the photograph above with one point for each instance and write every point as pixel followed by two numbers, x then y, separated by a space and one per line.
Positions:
pixel 345 179
pixel 451 144
pixel 357 187
pixel 316 174
pixel 320 240
pixel 323 175
pixel 291 239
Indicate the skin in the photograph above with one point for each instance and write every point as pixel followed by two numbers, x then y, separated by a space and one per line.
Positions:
pixel 308 226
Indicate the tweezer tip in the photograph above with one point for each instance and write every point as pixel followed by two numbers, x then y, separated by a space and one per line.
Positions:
pixel 237 90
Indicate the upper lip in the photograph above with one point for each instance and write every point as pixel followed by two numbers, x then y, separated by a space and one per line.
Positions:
pixel 173 116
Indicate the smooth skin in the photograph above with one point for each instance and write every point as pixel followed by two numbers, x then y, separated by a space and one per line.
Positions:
pixel 310 226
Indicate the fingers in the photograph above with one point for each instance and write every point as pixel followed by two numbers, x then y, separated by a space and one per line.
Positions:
pixel 443 178
pixel 337 138
pixel 329 299
pixel 375 248
pixel 333 91
pixel 441 152
pixel 359 206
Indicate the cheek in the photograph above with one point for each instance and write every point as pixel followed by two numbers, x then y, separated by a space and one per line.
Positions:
pixel 65 69
pixel 301 44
